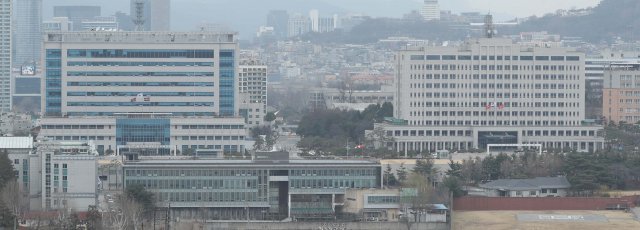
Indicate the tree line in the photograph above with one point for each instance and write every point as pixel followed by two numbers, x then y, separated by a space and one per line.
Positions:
pixel 330 131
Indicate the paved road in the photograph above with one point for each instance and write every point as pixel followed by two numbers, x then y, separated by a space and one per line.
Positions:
pixel 636 212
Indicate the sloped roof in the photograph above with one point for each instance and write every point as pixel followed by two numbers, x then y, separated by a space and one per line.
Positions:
pixel 528 184
pixel 16 142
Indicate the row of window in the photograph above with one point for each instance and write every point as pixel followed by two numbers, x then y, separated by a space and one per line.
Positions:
pixel 101 63
pixel 192 196
pixel 168 104
pixel 492 86
pixel 333 172
pixel 494 95
pixel 498 122
pixel 178 114
pixel 72 127
pixel 212 127
pixel 494 105
pixel 76 83
pixel 133 94
pixel 332 183
pixel 492 58
pixel 551 77
pixel 217 138
pixel 139 53
pixel 474 114
pixel 383 199
pixel 495 67
pixel 468 133
pixel 138 74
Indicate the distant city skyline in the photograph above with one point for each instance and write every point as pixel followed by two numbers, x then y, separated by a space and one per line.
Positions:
pixel 188 14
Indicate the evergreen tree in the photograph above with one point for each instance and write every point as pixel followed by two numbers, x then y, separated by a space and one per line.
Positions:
pixel 402 173
pixel 389 178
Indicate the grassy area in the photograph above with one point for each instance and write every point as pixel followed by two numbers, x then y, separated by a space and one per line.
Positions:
pixel 498 220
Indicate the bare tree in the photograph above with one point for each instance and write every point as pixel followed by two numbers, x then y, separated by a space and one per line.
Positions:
pixel 14 199
pixel 132 210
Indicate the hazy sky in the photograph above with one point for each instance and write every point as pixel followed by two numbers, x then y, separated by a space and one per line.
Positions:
pixel 246 16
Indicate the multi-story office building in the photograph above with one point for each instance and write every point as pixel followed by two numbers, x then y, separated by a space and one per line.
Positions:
pixel 490 91
pixel 253 91
pixel 28 32
pixel 5 54
pixel 260 189
pixel 76 14
pixel 55 175
pixel 102 73
pixel 621 93
pixel 279 20
pixel 142 89
pixel 156 14
pixel 595 67
pixel 430 10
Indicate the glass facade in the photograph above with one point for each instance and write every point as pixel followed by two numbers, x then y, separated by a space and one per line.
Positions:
pixel 52 106
pixel 227 82
pixel 143 130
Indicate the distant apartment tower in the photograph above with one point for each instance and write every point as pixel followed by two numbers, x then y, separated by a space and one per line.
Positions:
pixel 298 25
pixel 490 91
pixel 326 24
pixel 5 55
pixel 76 14
pixel 430 10
pixel 28 32
pixel 156 14
pixel 253 91
pixel 621 93
pixel 279 20
pixel 314 17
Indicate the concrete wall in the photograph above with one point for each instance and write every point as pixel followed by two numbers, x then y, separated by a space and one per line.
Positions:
pixel 310 226
pixel 540 203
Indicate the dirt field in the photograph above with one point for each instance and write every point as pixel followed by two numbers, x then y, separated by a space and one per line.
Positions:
pixel 497 220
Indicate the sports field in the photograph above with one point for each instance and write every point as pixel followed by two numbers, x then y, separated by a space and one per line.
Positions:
pixel 544 220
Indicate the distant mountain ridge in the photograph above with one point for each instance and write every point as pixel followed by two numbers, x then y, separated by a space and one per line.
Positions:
pixel 611 18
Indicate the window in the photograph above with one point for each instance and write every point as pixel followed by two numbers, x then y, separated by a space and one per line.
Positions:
pixel 16 162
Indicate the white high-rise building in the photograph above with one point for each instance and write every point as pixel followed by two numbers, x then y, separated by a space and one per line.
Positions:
pixel 5 55
pixel 253 91
pixel 490 91
pixel 314 16
pixel 430 10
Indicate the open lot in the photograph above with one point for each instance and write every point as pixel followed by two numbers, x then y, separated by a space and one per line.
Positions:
pixel 545 220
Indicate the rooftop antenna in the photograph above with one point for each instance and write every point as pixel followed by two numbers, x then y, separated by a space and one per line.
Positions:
pixel 138 18
pixel 489 28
